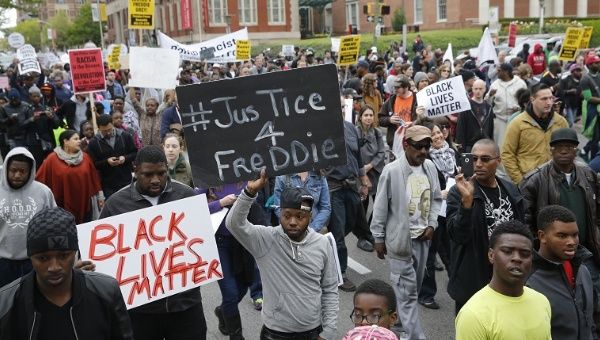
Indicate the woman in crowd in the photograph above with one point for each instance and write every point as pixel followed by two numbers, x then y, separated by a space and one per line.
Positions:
pixel 444 71
pixel 68 168
pixel 372 150
pixel 179 168
pixel 371 95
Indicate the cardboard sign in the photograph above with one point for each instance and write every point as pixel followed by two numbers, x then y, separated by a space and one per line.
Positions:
pixel 87 70
pixel 154 68
pixel 16 40
pixel 242 49
pixel 141 14
pixel 349 49
pixel 155 252
pixel 444 97
pixel 512 34
pixel 288 121
pixel 288 50
pixel 224 47
pixel 587 36
pixel 571 43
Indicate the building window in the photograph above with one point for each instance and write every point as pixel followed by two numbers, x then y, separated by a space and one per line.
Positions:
pixel 418 11
pixel 247 11
pixel 441 10
pixel 217 11
pixel 352 14
pixel 276 9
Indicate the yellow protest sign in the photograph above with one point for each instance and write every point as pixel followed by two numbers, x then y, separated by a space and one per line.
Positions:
pixel 141 14
pixel 103 15
pixel 587 36
pixel 113 57
pixel 349 49
pixel 242 49
pixel 571 43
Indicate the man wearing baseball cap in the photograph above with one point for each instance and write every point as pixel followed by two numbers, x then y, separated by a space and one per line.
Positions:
pixel 569 92
pixel 55 301
pixel 570 184
pixel 408 187
pixel 297 265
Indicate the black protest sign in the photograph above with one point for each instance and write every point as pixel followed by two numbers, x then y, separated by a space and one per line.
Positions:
pixel 288 121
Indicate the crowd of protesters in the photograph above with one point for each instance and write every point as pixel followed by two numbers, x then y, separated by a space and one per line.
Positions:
pixel 519 237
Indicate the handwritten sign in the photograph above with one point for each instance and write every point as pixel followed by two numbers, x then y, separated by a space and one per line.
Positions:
pixel 289 121
pixel 242 49
pixel 349 48
pixel 153 67
pixel 155 252
pixel 571 43
pixel 587 36
pixel 87 70
pixel 141 14
pixel 444 97
pixel 224 47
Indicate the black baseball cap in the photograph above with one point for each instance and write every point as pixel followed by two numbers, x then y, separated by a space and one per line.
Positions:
pixel 296 198
pixel 564 135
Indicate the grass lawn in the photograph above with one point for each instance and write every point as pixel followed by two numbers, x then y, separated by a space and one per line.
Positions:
pixel 461 39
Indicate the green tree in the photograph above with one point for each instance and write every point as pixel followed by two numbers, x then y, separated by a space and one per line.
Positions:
pixel 84 29
pixel 30 29
pixel 61 25
pixel 398 19
pixel 27 6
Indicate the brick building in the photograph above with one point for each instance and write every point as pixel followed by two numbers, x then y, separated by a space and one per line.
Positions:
pixel 439 14
pixel 265 19
pixel 50 8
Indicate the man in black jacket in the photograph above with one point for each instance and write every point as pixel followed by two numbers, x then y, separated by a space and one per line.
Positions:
pixel 475 207
pixel 179 316
pixel 558 273
pixel 113 151
pixel 55 301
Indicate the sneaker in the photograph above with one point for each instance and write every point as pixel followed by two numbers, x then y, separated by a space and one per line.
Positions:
pixel 430 304
pixel 365 245
pixel 347 286
pixel 258 303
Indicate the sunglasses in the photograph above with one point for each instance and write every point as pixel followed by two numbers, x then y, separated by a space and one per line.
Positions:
pixel 419 146
pixel 484 159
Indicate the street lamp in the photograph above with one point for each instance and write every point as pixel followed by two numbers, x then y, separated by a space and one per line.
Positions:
pixel 228 23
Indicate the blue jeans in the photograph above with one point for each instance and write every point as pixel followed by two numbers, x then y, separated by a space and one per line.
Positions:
pixel 238 268
pixel 571 114
pixel 11 270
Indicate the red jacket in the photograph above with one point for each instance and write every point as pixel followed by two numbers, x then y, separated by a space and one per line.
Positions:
pixel 537 60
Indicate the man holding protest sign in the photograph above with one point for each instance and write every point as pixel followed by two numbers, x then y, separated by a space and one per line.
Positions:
pixel 55 301
pixel 297 265
pixel 179 316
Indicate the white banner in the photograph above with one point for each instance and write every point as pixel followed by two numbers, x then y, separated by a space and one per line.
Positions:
pixel 223 47
pixel 153 67
pixel 444 97
pixel 154 252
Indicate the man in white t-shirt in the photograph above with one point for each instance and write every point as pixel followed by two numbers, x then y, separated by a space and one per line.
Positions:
pixel 408 187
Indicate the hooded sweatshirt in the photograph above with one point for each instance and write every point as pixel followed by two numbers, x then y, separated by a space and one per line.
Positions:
pixel 537 60
pixel 17 207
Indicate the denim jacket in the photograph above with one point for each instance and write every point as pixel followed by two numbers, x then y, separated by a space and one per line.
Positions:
pixel 317 186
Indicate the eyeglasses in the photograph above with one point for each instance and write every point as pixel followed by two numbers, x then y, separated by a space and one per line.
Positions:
pixel 372 319
pixel 563 147
pixel 484 159
pixel 419 146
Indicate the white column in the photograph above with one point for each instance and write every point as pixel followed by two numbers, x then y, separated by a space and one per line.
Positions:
pixel 559 8
pixel 534 8
pixel 509 8
pixel 484 8
pixel 582 6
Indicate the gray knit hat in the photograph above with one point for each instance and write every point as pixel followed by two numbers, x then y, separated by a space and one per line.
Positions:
pixel 34 90
pixel 51 229
pixel 420 76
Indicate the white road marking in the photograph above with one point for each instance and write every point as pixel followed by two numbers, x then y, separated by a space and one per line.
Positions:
pixel 357 267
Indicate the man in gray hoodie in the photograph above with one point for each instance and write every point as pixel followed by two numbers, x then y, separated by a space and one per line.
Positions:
pixel 296 263
pixel 21 197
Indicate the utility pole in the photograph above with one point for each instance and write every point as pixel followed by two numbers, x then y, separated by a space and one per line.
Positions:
pixel 542 10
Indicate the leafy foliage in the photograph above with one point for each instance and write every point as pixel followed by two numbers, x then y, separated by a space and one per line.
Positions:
pixel 398 19
pixel 83 29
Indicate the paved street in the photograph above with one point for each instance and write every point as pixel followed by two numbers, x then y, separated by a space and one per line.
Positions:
pixel 438 324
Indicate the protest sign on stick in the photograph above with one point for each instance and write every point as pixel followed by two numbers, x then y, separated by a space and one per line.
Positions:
pixel 242 49
pixel 571 43
pixel 87 70
pixel 154 252
pixel 153 67
pixel 349 50
pixel 444 98
pixel 289 121
pixel 141 14
pixel 586 37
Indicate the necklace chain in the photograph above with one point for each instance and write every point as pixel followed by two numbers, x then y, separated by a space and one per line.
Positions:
pixel 487 199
